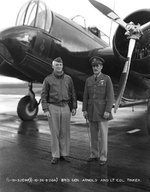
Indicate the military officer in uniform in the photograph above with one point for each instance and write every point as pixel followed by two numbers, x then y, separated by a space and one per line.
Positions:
pixel 57 92
pixel 98 100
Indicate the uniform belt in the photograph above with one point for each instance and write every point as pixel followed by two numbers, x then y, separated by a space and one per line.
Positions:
pixel 61 103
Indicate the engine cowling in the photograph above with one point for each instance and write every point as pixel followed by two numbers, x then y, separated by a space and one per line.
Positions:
pixel 141 55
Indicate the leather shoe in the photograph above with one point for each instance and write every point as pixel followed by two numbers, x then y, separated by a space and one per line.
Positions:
pixel 102 162
pixel 54 160
pixel 91 159
pixel 64 158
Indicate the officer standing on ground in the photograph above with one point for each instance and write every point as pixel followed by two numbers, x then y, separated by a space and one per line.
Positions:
pixel 98 100
pixel 57 92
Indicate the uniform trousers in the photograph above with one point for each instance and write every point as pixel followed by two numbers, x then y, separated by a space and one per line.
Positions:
pixel 99 139
pixel 59 123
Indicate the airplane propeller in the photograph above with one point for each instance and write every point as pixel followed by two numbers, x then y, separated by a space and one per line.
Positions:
pixel 133 33
pixel 124 75
pixel 108 12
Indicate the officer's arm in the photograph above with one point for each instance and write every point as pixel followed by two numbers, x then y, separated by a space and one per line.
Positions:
pixel 44 96
pixel 109 95
pixel 85 100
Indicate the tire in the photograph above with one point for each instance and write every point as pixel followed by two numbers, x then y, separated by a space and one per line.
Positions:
pixel 24 110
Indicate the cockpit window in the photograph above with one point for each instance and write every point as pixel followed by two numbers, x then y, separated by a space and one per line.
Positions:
pixel 36 14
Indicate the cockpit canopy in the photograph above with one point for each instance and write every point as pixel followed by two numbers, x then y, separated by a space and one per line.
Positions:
pixel 35 13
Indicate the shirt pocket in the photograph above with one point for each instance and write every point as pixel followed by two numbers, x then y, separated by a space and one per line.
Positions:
pixel 90 89
pixel 54 95
pixel 101 88
pixel 101 105
pixel 66 84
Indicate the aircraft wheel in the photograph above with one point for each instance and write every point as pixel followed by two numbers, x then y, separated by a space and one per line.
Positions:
pixel 25 111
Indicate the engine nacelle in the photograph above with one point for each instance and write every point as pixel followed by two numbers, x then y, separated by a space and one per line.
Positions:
pixel 141 55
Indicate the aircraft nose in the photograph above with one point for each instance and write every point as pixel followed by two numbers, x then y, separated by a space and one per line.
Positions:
pixel 5 54
pixel 6 61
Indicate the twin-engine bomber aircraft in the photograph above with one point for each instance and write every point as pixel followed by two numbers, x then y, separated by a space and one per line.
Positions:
pixel 40 35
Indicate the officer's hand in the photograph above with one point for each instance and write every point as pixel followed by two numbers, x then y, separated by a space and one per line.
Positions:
pixel 47 113
pixel 85 114
pixel 106 115
pixel 73 112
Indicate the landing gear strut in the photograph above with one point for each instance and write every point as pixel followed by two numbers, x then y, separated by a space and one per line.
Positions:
pixel 28 106
pixel 148 116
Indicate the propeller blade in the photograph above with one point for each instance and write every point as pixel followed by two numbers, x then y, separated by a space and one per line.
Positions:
pixel 108 13
pixel 124 75
pixel 145 26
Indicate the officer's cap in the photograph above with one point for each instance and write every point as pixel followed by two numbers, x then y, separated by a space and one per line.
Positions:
pixel 96 60
pixel 58 59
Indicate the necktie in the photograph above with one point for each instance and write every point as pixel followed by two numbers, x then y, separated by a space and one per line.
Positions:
pixel 96 78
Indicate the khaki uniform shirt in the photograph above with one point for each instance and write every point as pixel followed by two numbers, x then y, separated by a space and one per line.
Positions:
pixel 98 97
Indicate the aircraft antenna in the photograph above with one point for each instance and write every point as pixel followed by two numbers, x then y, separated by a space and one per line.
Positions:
pixel 80 17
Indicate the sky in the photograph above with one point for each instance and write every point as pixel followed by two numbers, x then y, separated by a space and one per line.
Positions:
pixel 71 8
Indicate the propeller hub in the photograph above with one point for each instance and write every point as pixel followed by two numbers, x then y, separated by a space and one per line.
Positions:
pixel 133 31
